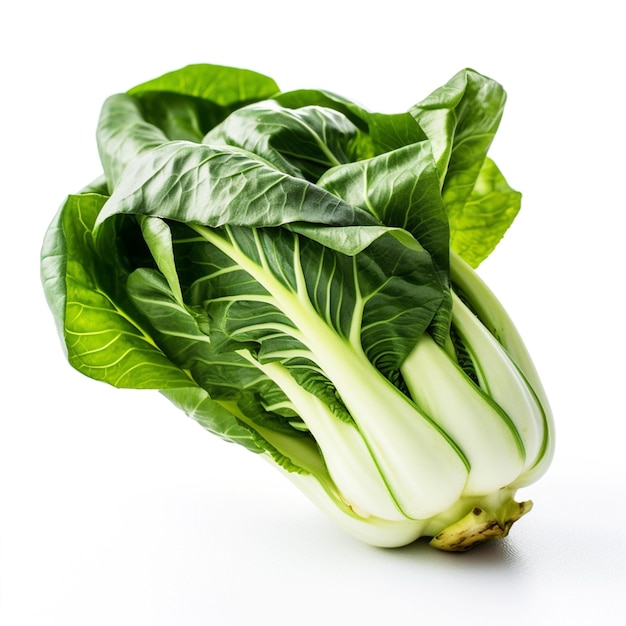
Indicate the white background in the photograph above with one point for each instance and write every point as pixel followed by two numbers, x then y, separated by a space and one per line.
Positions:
pixel 116 509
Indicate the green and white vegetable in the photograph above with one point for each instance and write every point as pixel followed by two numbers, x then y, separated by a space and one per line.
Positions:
pixel 296 273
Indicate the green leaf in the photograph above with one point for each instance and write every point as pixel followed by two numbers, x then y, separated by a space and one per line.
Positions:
pixel 226 86
pixel 401 189
pixel 158 237
pixel 199 405
pixel 214 186
pixel 53 265
pixel 460 120
pixel 184 104
pixel 123 134
pixel 179 116
pixel 182 334
pixel 103 339
pixel 380 132
pixel 302 142
pixel 478 221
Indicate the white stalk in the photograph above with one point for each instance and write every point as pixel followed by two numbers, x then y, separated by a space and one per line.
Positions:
pixel 422 466
pixel 347 458
pixel 372 530
pixel 493 315
pixel 453 401
pixel 501 379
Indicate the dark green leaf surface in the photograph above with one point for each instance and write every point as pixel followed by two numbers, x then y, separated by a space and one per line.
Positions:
pixel 217 186
pixel 302 142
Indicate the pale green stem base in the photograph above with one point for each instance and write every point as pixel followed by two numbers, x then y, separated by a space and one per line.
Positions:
pixel 480 525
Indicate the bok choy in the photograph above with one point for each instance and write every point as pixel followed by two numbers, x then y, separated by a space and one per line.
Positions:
pixel 297 274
